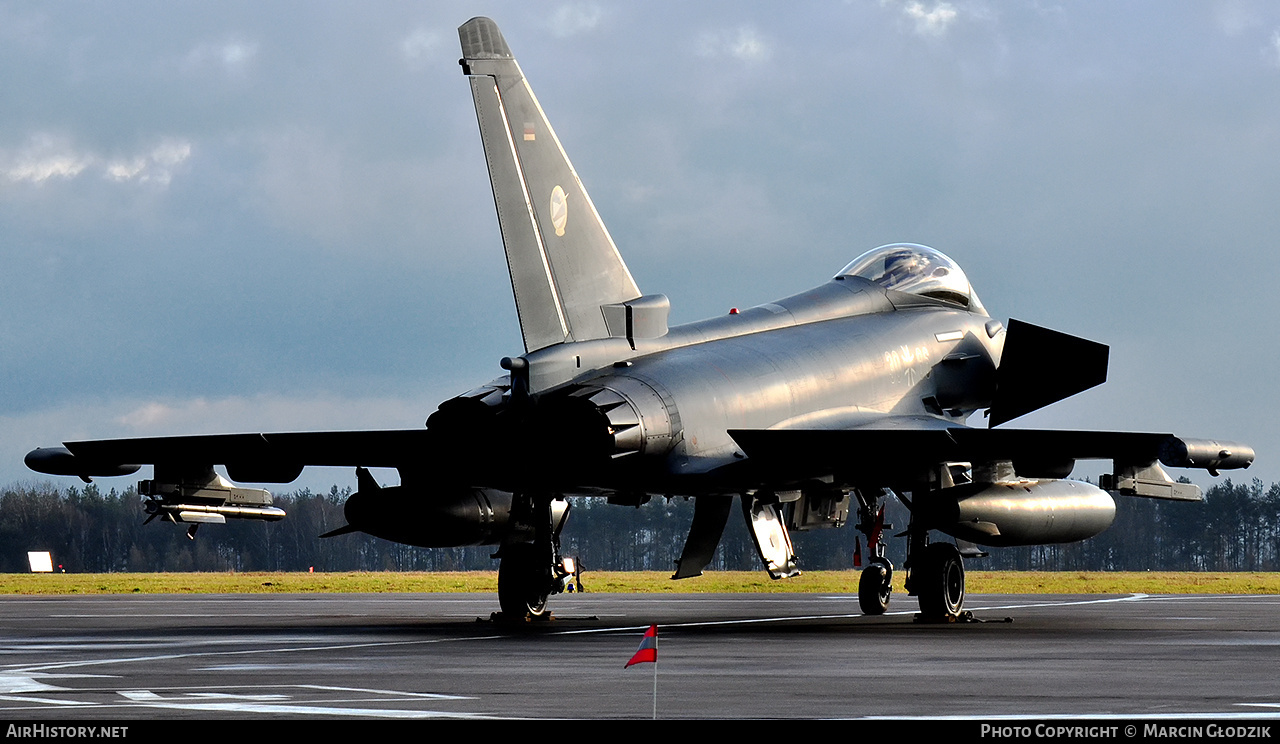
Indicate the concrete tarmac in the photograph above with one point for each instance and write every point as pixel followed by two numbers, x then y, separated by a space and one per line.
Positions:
pixel 410 656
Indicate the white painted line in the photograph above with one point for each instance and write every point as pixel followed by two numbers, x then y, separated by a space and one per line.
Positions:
pixel 48 701
pixel 29 668
pixel 855 615
pixel 201 615
pixel 233 696
pixel 313 710
pixel 21 683
pixel 429 695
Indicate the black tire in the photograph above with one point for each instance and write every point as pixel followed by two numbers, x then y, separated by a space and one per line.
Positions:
pixel 939 581
pixel 874 589
pixel 523 585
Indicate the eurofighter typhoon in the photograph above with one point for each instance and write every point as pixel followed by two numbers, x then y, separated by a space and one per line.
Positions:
pixel 812 410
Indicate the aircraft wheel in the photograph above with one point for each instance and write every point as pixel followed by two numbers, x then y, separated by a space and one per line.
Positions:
pixel 939 581
pixel 522 582
pixel 875 588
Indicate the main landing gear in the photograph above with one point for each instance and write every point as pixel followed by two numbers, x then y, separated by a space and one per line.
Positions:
pixel 524 581
pixel 531 568
pixel 938 582
pixel 935 575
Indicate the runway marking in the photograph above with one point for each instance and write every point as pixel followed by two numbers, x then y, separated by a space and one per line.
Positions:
pixel 242 652
pixel 148 695
pixel 842 616
pixel 1069 603
pixel 224 699
pixel 431 695
pixel 47 701
pixel 22 683
pixel 149 699
pixel 201 615
pixel 18 647
pixel 249 704
pixel 279 686
pixel 315 710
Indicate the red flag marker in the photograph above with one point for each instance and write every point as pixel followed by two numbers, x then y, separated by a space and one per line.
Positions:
pixel 648 650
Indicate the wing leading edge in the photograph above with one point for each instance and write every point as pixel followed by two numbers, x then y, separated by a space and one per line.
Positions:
pixel 895 456
pixel 262 458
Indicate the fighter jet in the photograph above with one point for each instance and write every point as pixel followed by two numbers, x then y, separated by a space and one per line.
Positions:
pixel 813 410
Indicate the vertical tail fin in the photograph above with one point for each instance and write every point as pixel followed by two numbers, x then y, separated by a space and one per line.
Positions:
pixel 564 266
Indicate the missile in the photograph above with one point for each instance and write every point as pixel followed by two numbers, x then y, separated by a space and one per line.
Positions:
pixel 216 514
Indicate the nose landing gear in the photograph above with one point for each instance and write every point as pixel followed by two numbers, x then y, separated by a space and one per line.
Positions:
pixel 875 587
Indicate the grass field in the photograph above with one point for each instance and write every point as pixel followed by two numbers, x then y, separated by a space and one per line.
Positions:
pixel 979 582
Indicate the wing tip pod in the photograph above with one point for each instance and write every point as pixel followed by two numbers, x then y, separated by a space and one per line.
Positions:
pixel 61 461
pixel 1208 454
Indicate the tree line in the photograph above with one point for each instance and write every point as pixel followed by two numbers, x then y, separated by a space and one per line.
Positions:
pixel 1236 528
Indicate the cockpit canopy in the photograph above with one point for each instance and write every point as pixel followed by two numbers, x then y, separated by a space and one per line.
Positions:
pixel 917 269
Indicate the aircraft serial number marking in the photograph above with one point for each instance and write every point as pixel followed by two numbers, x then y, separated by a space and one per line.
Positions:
pixel 906 356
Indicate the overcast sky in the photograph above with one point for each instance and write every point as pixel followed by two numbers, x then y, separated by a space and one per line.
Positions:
pixel 222 216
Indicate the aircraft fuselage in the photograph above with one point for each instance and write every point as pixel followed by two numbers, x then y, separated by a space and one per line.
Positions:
pixel 843 354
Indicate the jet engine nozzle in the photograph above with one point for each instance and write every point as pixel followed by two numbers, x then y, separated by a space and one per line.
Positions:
pixel 616 416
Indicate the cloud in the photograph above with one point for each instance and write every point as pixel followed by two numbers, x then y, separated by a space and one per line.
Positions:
pixel 743 43
pixel 232 56
pixel 1273 49
pixel 48 157
pixel 316 184
pixel 419 44
pixel 21 28
pixel 154 167
pixel 575 18
pixel 263 413
pixel 44 157
pixel 932 21
pixel 1234 19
